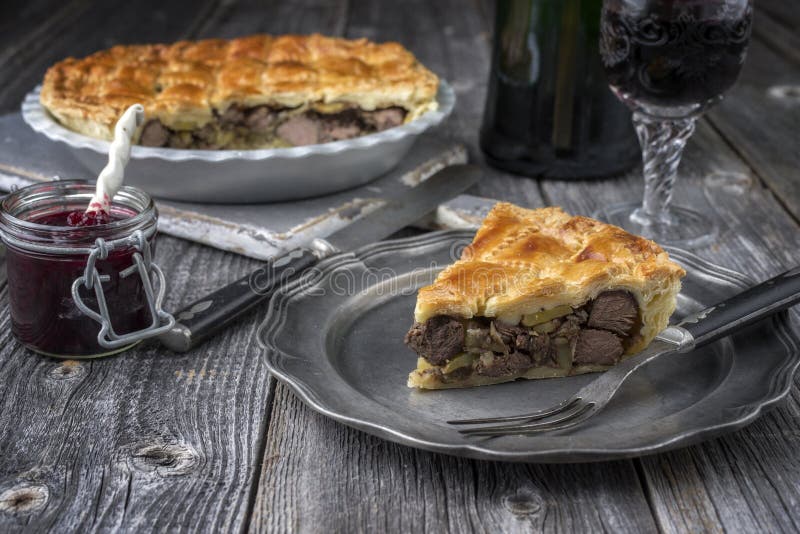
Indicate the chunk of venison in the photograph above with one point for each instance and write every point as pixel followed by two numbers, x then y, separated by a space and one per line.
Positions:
pixel 615 311
pixel 154 134
pixel 597 347
pixel 299 131
pixel 437 340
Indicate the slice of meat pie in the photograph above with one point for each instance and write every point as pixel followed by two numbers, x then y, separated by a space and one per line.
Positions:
pixel 540 294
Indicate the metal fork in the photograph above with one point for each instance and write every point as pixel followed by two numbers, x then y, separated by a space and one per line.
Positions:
pixel 708 325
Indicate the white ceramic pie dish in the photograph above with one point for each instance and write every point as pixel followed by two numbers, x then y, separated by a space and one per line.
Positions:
pixel 248 176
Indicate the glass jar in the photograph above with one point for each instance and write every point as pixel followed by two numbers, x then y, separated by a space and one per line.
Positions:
pixel 81 291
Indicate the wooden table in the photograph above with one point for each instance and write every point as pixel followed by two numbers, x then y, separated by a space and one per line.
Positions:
pixel 209 441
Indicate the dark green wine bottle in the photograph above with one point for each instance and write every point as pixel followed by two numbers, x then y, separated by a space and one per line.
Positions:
pixel 549 110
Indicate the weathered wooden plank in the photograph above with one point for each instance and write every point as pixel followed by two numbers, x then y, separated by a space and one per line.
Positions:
pixel 750 478
pixel 781 11
pixel 81 29
pixel 234 19
pixel 2 266
pixel 778 33
pixel 318 475
pixel 761 118
pixel 147 440
pixel 27 25
pixel 746 481
pixel 172 443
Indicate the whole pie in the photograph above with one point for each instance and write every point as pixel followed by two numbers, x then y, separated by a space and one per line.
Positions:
pixel 251 92
pixel 539 294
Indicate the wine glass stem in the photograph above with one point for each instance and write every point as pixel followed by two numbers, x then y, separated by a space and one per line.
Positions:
pixel 662 147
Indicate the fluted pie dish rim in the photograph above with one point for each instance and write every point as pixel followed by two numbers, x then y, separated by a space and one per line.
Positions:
pixel 38 118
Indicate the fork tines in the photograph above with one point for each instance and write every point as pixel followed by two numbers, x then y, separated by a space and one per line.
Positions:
pixel 569 413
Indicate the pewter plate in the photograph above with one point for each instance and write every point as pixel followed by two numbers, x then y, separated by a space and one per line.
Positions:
pixel 249 176
pixel 336 339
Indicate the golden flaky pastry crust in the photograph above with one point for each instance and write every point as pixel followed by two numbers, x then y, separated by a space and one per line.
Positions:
pixel 184 83
pixel 525 261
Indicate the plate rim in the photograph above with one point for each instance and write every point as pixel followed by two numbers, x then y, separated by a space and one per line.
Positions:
pixel 785 328
pixel 41 121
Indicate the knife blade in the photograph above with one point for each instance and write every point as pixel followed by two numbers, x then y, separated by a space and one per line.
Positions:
pixel 208 315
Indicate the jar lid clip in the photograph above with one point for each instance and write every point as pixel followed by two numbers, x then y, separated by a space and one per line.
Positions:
pixel 148 272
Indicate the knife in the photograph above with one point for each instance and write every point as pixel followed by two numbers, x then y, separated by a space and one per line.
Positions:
pixel 205 317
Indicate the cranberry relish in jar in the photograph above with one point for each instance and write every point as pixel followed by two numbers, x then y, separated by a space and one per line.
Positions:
pixel 81 288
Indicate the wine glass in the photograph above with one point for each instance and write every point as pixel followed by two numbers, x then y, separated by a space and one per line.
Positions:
pixel 669 61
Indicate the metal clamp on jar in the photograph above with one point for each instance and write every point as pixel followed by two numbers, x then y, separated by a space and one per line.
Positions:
pixel 82 291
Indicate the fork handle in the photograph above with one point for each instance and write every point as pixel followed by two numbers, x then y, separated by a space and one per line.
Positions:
pixel 749 306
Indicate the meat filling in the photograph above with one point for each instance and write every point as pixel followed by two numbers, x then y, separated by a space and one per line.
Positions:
pixel 154 134
pixel 615 311
pixel 592 335
pixel 597 347
pixel 239 127
pixel 437 339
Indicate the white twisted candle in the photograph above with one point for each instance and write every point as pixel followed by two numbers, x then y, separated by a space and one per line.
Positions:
pixel 110 178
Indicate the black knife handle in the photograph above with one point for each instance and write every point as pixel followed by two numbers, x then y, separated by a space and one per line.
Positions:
pixel 202 319
pixel 766 298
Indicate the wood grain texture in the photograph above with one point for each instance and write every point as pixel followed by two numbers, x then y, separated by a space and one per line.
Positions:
pixel 26 25
pixel 319 476
pixel 761 118
pixel 147 440
pixel 2 266
pixel 150 440
pixel 779 33
pixel 747 481
pixel 781 14
pixel 243 17
pixel 80 27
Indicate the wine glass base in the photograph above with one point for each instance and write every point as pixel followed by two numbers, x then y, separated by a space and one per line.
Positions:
pixel 686 228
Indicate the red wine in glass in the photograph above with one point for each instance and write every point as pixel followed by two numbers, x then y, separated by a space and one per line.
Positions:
pixel 669 60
